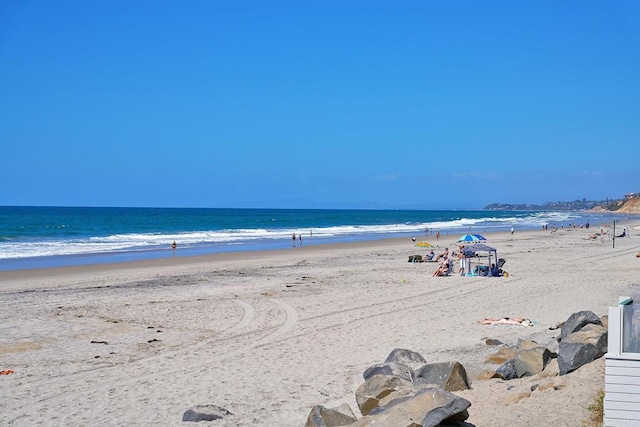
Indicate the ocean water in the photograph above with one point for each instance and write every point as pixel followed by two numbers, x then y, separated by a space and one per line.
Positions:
pixel 34 237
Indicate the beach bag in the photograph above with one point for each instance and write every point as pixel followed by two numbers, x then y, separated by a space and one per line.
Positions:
pixel 415 258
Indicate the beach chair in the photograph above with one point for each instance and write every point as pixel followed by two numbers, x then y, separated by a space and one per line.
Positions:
pixel 501 262
pixel 449 269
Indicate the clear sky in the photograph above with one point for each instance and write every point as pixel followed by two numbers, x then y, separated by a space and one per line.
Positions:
pixel 300 104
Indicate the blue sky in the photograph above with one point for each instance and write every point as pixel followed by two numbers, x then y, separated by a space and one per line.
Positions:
pixel 318 104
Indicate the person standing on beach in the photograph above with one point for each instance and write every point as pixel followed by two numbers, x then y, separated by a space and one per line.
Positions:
pixel 300 237
pixel 294 239
pixel 462 260
pixel 173 247
pixel 438 235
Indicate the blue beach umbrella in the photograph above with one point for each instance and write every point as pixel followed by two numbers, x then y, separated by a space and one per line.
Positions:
pixel 471 238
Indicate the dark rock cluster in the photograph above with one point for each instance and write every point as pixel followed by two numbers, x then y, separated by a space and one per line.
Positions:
pixel 404 390
pixel 583 339
pixel 407 391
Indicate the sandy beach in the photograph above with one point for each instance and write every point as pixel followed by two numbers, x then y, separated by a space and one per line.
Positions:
pixel 267 335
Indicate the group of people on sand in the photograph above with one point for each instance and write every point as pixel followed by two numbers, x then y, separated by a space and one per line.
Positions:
pixel 445 262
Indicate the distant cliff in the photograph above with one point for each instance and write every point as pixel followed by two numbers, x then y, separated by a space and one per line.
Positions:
pixel 629 204
pixel 576 205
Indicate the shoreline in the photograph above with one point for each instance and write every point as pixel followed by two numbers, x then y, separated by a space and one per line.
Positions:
pixel 196 254
pixel 103 243
pixel 180 262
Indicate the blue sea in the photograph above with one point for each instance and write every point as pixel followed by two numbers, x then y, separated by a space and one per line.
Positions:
pixel 35 237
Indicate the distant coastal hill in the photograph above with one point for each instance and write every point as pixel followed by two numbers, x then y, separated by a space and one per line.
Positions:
pixel 629 204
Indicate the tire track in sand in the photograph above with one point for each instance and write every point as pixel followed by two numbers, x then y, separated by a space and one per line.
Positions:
pixel 90 382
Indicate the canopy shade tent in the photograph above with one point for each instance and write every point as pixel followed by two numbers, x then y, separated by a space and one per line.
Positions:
pixel 480 247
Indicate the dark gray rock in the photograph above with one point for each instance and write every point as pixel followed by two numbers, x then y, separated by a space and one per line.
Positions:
pixel 592 334
pixel 507 371
pixel 455 410
pixel 319 416
pixel 450 376
pixel 406 357
pixel 390 368
pixel 576 321
pixel 205 413
pixel 582 347
pixel 572 355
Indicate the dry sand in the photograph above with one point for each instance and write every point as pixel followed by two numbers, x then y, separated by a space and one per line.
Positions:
pixel 267 335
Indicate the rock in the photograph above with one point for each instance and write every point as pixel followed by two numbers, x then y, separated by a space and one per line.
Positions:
pixel 507 371
pixel 428 407
pixel 547 386
pixel 516 397
pixel 576 321
pixel 390 368
pixel 556 326
pixel 550 371
pixel 553 345
pixel 526 344
pixel 605 321
pixel 205 413
pixel 380 390
pixel 406 357
pixel 451 376
pixel 319 416
pixel 592 334
pixel 531 358
pixel 573 355
pixel 486 375
pixel 504 354
pixel 582 347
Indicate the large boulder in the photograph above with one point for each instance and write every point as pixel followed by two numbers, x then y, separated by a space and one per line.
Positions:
pixel 406 357
pixel 572 355
pixel 205 413
pixel 582 347
pixel 576 321
pixel 531 358
pixel 428 407
pixel 450 376
pixel 381 390
pixel 319 416
pixel 592 334
pixel 390 368
pixel 502 355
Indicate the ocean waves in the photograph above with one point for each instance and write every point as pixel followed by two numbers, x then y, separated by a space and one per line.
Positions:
pixel 31 245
